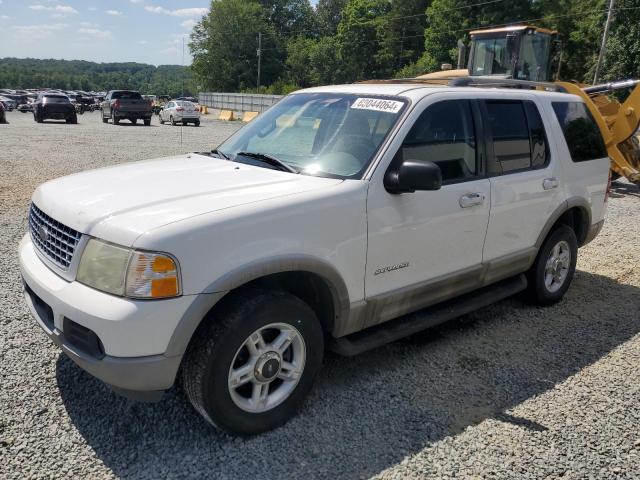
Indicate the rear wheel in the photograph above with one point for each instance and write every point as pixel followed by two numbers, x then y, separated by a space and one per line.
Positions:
pixel 554 267
pixel 254 361
pixel 133 121
pixel 197 123
pixel 171 119
pixel 116 119
pixel 104 119
pixel 147 122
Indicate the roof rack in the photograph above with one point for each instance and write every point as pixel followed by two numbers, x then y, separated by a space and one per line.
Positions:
pixel 480 82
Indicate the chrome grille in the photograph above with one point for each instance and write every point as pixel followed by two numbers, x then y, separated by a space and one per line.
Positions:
pixel 55 240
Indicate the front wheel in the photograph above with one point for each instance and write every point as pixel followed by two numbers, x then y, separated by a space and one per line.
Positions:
pixel 254 361
pixel 197 123
pixel 104 119
pixel 551 274
pixel 147 122
pixel 172 120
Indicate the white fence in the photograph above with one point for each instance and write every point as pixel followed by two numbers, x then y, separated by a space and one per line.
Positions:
pixel 238 102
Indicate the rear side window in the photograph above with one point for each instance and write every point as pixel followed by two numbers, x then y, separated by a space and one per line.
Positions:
pixel 519 139
pixel 580 131
pixel 510 134
pixel 444 133
pixel 539 145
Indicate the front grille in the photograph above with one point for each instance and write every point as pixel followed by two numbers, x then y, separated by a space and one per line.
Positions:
pixel 55 240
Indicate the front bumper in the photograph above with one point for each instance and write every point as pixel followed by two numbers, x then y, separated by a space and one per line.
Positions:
pixel 135 336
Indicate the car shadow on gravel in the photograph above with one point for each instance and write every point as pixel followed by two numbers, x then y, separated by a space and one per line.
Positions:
pixel 368 412
pixel 621 189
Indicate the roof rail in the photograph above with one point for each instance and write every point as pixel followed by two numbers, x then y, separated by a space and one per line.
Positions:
pixel 476 81
pixel 493 82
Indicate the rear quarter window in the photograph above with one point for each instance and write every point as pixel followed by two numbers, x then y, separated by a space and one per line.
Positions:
pixel 580 131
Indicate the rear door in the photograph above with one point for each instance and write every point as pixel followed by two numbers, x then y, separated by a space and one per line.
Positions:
pixel 525 182
pixel 426 246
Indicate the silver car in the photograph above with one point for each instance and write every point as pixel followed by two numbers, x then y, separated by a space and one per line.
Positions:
pixel 180 111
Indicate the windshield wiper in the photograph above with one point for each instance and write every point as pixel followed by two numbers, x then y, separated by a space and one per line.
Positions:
pixel 215 151
pixel 273 161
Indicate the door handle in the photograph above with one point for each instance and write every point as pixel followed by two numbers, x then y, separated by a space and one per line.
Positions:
pixel 549 183
pixel 471 199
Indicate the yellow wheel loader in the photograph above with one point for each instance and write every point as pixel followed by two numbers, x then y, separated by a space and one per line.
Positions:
pixel 524 56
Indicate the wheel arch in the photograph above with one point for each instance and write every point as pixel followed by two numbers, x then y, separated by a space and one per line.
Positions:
pixel 575 213
pixel 312 280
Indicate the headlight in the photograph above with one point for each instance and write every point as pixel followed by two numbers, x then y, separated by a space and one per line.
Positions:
pixel 126 272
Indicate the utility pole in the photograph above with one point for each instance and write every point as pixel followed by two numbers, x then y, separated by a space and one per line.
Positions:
pixel 603 47
pixel 182 66
pixel 259 58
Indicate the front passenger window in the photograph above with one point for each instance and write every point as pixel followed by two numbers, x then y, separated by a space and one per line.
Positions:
pixel 444 134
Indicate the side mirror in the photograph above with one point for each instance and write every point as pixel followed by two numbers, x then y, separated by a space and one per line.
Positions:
pixel 413 175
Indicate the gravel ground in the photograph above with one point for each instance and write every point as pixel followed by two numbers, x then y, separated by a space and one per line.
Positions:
pixel 511 391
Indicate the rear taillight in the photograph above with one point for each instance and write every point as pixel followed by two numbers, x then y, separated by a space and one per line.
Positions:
pixel 116 104
pixel 179 109
pixel 606 195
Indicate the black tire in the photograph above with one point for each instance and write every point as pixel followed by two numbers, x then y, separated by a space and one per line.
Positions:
pixel 133 121
pixel 116 119
pixel 147 122
pixel 74 120
pixel 173 122
pixel 196 123
pixel 205 372
pixel 538 292
pixel 104 119
pixel 39 119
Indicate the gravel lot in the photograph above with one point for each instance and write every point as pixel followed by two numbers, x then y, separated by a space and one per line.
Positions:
pixel 511 391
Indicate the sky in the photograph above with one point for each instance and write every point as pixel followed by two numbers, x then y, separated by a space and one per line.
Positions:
pixel 145 31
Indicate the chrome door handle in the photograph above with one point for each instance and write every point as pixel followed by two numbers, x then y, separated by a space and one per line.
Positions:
pixel 549 183
pixel 471 199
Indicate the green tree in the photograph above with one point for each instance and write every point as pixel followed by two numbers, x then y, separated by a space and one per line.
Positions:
pixel 359 41
pixel 328 15
pixel 224 44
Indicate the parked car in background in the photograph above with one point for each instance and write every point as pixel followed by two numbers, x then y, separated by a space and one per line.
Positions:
pixel 180 111
pixel 56 106
pixel 3 117
pixel 25 107
pixel 127 105
pixel 9 103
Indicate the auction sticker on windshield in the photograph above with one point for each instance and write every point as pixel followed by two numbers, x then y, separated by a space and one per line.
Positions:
pixel 377 104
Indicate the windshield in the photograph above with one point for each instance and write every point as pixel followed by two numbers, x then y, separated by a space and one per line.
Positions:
pixel 325 134
pixel 491 57
pixel 533 62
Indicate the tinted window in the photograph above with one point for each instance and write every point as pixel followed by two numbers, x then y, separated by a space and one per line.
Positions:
pixel 580 131
pixel 126 95
pixel 510 134
pixel 539 145
pixel 444 134
pixel 56 98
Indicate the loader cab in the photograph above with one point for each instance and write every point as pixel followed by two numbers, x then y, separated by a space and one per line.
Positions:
pixel 520 52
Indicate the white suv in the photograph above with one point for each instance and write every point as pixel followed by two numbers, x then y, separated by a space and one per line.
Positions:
pixel 319 225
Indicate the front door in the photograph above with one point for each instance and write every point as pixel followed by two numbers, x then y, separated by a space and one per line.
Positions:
pixel 425 247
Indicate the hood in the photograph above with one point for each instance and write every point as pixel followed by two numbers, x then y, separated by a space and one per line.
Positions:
pixel 121 203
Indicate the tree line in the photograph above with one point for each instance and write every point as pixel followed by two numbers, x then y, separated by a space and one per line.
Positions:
pixel 341 41
pixel 91 76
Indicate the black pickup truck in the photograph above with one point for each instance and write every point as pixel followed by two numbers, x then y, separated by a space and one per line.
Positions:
pixel 54 105
pixel 126 104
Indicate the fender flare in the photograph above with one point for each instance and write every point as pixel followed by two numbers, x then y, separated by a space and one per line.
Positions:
pixel 565 206
pixel 244 274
